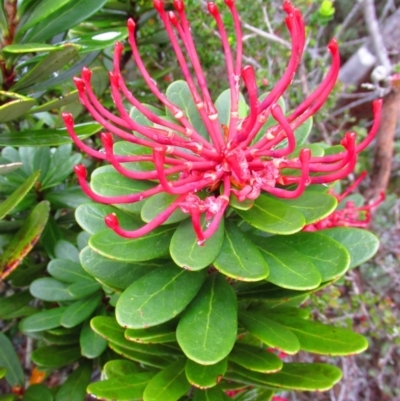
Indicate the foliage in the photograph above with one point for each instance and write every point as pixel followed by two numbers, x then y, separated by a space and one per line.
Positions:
pixel 159 316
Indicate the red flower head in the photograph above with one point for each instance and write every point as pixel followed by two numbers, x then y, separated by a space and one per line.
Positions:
pixel 239 160
pixel 349 215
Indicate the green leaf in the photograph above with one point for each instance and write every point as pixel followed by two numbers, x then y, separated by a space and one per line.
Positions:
pixel 272 294
pixel 12 303
pixel 108 182
pixel 179 94
pixel 99 40
pixel 119 368
pixel 55 357
pixel 301 134
pixel 212 394
pixel 80 310
pixel 90 216
pixel 157 297
pixel 157 334
pixel 116 275
pixel 256 394
pixel 123 388
pixel 239 258
pixel 185 250
pixel 15 108
pixel 207 329
pixel 55 339
pixel 273 216
pixel 360 244
pixel 108 328
pixel 37 392
pixel 205 376
pixel 142 358
pixel 288 268
pixel 44 320
pixel 8 397
pixel 57 103
pixel 223 106
pixel 313 205
pixel 49 289
pixel 67 271
pixel 270 332
pixel 9 360
pixel 61 19
pixel 321 338
pixel 294 376
pixel 168 385
pixel 29 47
pixel 67 251
pixel 151 246
pixel 84 288
pixel 74 388
pixel 3 372
pixel 255 358
pixel 50 64
pixel 69 198
pixel 154 205
pixel 48 136
pixel 43 10
pixel 25 239
pixel 327 255
pixel 92 345
pixel 61 166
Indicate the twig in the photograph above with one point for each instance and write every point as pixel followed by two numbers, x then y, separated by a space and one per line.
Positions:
pixel 375 34
pixel 267 35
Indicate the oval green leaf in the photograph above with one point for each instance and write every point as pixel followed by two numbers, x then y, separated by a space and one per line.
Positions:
pixel 208 328
pixel 154 205
pixel 55 357
pixel 187 253
pixel 360 244
pixel 80 310
pixel 92 345
pixel 67 271
pixel 321 338
pixel 272 216
pixel 313 205
pixel 9 360
pixel 49 289
pixel 270 332
pixel 123 388
pixel 239 258
pixel 90 216
pixel 288 268
pixel 157 297
pixel 37 392
pixel 168 385
pixel 330 258
pixel 114 274
pixel 44 320
pixel 255 358
pixel 205 376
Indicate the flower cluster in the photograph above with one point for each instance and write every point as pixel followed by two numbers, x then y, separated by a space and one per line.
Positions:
pixel 350 215
pixel 240 160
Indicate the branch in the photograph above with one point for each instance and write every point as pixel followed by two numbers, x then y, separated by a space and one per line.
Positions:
pixel 375 34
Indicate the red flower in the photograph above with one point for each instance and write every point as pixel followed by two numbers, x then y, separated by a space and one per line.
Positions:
pixel 350 215
pixel 232 162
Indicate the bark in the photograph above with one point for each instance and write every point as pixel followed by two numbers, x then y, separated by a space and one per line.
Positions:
pixel 384 145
